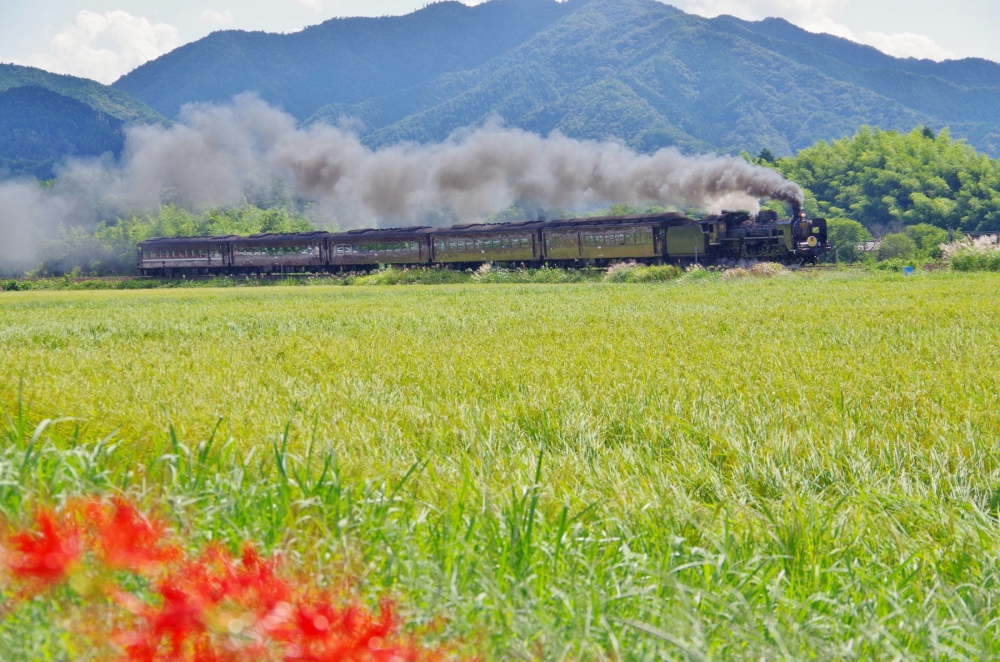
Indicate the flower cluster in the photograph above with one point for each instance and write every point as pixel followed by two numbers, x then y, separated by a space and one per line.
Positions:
pixel 209 607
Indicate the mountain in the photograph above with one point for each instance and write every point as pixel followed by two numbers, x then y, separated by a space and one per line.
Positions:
pixel 636 70
pixel 342 60
pixel 102 98
pixel 39 129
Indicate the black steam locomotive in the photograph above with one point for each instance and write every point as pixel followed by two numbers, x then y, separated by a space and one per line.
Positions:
pixel 598 241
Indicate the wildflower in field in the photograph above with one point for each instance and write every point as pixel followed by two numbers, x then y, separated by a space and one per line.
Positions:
pixel 210 607
pixel 43 557
pixel 126 540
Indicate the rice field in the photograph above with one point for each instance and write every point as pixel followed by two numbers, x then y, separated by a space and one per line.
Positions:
pixel 797 467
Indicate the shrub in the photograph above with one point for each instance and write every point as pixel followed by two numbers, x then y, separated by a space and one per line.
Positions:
pixel 845 236
pixel 656 274
pixel 928 238
pixel 759 270
pixel 896 246
pixel 698 272
pixel 967 254
pixel 619 272
pixel 13 286
pixel 631 272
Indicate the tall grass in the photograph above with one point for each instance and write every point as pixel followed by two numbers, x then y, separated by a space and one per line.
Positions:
pixel 781 468
pixel 981 254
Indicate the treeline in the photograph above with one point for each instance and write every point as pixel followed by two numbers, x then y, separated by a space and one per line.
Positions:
pixel 902 195
pixel 110 248
pixel 910 192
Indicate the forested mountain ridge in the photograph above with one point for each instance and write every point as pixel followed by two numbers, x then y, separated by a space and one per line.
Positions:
pixel 636 70
pixel 40 128
pixel 102 98
pixel 346 60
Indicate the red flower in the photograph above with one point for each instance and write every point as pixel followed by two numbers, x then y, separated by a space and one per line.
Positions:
pixel 44 557
pixel 128 541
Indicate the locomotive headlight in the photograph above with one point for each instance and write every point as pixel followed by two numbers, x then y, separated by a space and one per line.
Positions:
pixel 812 241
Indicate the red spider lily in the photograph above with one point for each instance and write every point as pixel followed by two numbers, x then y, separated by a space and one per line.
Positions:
pixel 214 607
pixel 126 540
pixel 323 633
pixel 44 557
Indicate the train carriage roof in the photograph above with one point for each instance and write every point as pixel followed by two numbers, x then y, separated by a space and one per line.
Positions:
pixel 672 218
pixel 516 226
pixel 381 233
pixel 290 237
pixel 165 241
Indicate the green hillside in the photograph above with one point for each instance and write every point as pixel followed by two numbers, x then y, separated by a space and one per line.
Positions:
pixel 39 129
pixel 342 60
pixel 102 98
pixel 637 70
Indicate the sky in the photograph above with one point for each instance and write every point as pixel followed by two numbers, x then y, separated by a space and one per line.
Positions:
pixel 105 39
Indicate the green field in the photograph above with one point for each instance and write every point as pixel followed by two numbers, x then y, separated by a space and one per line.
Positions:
pixel 802 467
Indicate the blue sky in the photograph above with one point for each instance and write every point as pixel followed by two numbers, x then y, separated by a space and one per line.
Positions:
pixel 103 39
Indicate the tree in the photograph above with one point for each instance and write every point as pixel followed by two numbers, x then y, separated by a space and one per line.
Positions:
pixel 845 236
pixel 766 155
pixel 896 246
pixel 885 178
pixel 927 238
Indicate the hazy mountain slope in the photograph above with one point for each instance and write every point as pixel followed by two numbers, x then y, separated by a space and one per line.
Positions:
pixel 636 70
pixel 969 72
pixel 39 129
pixel 101 98
pixel 651 75
pixel 342 60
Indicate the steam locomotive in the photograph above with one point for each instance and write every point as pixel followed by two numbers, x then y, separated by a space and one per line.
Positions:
pixel 597 241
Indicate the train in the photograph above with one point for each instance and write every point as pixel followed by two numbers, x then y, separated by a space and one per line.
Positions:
pixel 668 238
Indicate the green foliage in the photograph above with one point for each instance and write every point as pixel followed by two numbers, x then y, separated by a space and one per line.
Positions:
pixel 103 99
pixel 39 129
pixel 172 221
pixel 982 254
pixel 419 276
pixel 884 178
pixel 631 272
pixel 845 236
pixel 896 246
pixel 928 238
pixel 110 249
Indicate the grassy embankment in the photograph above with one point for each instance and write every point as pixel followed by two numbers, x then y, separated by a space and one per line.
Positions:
pixel 730 469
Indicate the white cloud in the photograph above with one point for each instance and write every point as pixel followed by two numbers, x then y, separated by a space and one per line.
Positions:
pixel 907 44
pixel 314 5
pixel 816 16
pixel 105 46
pixel 213 17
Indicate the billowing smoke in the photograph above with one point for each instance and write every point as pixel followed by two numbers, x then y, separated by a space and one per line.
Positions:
pixel 216 156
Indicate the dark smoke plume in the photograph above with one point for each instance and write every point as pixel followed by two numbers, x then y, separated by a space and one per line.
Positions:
pixel 216 156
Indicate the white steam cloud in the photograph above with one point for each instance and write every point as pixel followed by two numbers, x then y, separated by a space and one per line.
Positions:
pixel 216 156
